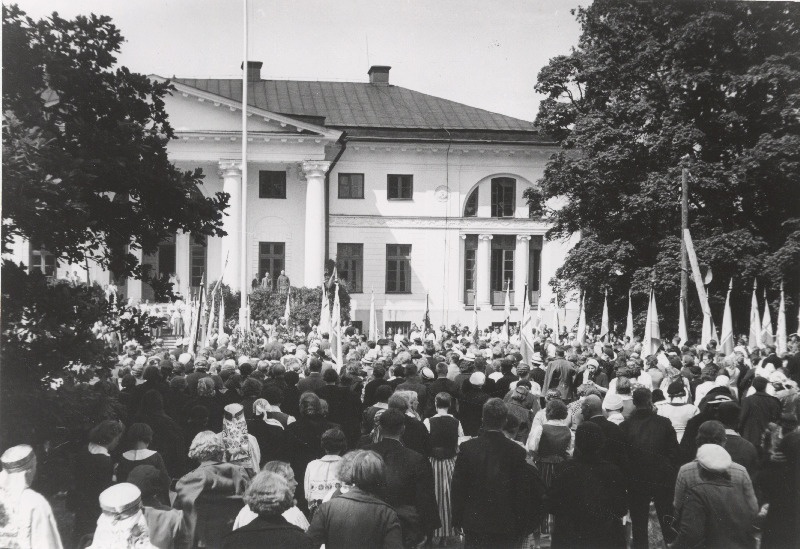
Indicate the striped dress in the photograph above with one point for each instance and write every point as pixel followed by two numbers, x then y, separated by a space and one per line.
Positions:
pixel 444 432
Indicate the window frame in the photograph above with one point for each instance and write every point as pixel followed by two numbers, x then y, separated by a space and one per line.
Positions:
pixel 474 196
pixel 271 257
pixel 349 176
pixel 355 285
pixel 263 184
pixel 508 210
pixel 394 253
pixel 399 179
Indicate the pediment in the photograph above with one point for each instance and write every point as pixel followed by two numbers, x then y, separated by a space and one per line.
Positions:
pixel 191 110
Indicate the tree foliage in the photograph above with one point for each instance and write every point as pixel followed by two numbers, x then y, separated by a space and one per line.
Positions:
pixel 85 167
pixel 305 306
pixel 654 87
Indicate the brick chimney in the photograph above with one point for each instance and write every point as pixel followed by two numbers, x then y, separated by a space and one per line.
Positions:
pixel 253 70
pixel 379 74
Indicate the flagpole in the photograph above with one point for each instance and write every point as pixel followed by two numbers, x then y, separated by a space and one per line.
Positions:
pixel 243 215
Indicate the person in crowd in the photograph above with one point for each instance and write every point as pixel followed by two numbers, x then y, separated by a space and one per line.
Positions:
pixel 409 479
pixel 240 446
pixel 778 486
pixel 167 439
pixel 471 401
pixel 758 410
pixel 488 493
pixel 742 451
pixel 358 517
pixel 442 384
pixel 306 435
pixel 415 436
pixel 322 475
pixel 212 476
pixel 560 374
pixel 313 381
pixel 94 472
pixel 520 405
pixel 413 382
pixel 382 395
pixel 139 436
pixel 615 447
pixel 613 404
pixel 273 441
pixel 588 498
pixel 269 495
pixel 28 520
pixel 710 411
pixel 122 522
pixel 677 409
pixel 711 433
pixel 343 405
pixel 378 375
pixel 716 513
pixel 293 515
pixel 653 456
pixel 445 431
pixel 166 525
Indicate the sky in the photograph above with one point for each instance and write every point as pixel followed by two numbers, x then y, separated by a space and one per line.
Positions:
pixel 483 53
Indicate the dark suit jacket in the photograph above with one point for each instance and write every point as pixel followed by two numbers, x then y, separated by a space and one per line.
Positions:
pixel 757 411
pixel 268 532
pixel 344 408
pixel 488 493
pixel 310 383
pixel 409 480
pixel 654 451
pixel 416 436
pixel 616 448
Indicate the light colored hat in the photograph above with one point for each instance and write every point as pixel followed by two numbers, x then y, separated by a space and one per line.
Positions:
pixel 592 362
pixel 427 373
pixel 229 364
pixel 127 362
pixel 184 358
pixel 714 457
pixel 121 499
pixel 537 358
pixel 477 379
pixel 243 360
pixel 18 458
pixel 613 402
pixel 536 389
pixel 722 381
pixel 141 360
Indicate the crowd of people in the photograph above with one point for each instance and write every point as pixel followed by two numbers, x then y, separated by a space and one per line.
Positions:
pixel 432 438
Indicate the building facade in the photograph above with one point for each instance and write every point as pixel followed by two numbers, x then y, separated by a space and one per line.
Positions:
pixel 419 200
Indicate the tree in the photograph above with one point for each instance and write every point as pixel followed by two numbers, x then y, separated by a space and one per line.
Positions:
pixel 654 87
pixel 85 167
pixel 306 304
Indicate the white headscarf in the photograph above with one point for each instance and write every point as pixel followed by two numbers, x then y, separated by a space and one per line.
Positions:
pixel 122 524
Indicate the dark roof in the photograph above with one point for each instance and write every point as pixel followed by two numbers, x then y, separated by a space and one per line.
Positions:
pixel 365 107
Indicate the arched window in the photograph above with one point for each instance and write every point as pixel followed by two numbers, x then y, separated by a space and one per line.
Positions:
pixel 504 191
pixel 471 205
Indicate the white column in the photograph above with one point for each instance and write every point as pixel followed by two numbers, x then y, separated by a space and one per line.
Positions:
pixel 231 173
pixel 521 261
pixel 183 258
pixel 314 252
pixel 484 270
pixel 134 284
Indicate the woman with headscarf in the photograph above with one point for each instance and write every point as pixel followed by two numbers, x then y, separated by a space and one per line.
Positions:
pixel 122 524
pixel 94 472
pixel 28 521
pixel 240 446
pixel 519 405
pixel 678 409
pixel 268 496
pixel 587 498
pixel 358 517
pixel 212 477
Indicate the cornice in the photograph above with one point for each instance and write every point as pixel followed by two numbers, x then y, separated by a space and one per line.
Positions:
pixel 472 225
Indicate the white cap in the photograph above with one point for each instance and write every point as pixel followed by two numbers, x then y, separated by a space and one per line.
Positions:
pixel 184 358
pixel 477 379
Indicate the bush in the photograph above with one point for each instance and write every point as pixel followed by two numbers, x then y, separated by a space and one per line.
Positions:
pixel 305 306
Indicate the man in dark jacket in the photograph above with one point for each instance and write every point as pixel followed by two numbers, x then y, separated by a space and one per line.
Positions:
pixel 615 449
pixel 440 385
pixel 344 407
pixel 415 436
pixel 654 458
pixel 409 479
pixel 378 374
pixel 414 383
pixel 488 489
pixel 314 379
pixel 758 410
pixel 741 450
pixel 470 403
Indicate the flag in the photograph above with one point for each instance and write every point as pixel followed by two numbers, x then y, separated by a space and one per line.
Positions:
pixel 781 341
pixel 629 321
pixel 288 310
pixel 581 333
pixel 426 320
pixel 708 334
pixel 475 319
pixel 526 331
pixel 556 325
pixel 755 321
pixel 196 320
pixel 507 312
pixel 683 332
pixel 767 337
pixel 604 331
pixel 726 340
pixel 373 319
pixel 539 320
pixel 221 314
pixel 210 326
pixel 324 326
pixel 652 333
pixel 336 329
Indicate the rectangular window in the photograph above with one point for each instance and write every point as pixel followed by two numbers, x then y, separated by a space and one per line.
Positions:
pixel 398 268
pixel 271 184
pixel 503 196
pixel 399 187
pixel 502 268
pixel 198 263
pixel 43 261
pixel 396 327
pixel 351 185
pixel 271 259
pixel 470 268
pixel 350 266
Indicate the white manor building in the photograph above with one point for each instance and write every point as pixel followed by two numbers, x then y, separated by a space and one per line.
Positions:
pixel 414 196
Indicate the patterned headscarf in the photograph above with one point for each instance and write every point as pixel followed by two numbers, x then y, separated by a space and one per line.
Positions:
pixel 234 435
